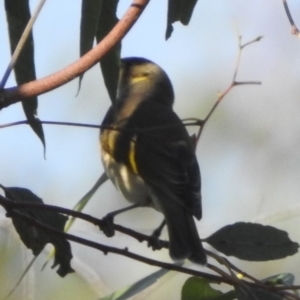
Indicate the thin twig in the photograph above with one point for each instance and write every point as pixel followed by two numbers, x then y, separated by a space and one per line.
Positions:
pixel 125 252
pixel 14 209
pixel 5 202
pixel 108 249
pixel 294 30
pixel 51 123
pixel 231 86
pixel 21 43
pixel 193 122
pixel 232 277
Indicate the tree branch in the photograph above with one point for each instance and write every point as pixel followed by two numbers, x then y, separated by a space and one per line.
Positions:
pixel 34 88
pixel 11 205
pixel 14 208
pixel 125 252
pixel 232 84
pixel 294 30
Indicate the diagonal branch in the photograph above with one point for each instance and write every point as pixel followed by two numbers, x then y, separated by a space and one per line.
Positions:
pixel 34 88
pixel 294 29
pixel 126 253
pixel 13 208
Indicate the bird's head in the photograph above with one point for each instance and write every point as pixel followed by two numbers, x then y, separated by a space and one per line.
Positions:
pixel 142 79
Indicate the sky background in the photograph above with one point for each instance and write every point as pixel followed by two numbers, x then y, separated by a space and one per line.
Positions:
pixel 248 153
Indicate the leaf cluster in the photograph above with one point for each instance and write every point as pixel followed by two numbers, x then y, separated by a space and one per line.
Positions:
pixel 39 224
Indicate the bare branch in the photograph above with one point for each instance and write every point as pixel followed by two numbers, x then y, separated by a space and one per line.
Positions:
pixel 186 122
pixel 51 123
pixel 294 30
pixel 232 84
pixel 13 208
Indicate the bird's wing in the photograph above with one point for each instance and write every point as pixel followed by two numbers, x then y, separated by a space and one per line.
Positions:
pixel 165 156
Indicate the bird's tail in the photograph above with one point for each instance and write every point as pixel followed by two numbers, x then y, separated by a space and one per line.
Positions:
pixel 183 235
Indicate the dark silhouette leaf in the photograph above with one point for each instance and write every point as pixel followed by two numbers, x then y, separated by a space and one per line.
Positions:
pixel 179 10
pixel 250 293
pixel 110 63
pixel 18 15
pixel 253 242
pixel 34 237
pixel 90 11
pixel 98 17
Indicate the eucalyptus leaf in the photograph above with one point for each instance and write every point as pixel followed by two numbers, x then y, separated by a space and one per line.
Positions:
pixel 179 10
pixel 90 11
pixel 110 63
pixel 253 242
pixel 34 237
pixel 18 16
pixel 137 287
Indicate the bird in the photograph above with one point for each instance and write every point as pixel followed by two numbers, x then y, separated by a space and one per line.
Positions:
pixel 149 156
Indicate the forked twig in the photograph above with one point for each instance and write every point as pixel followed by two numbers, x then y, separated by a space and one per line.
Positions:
pixel 231 86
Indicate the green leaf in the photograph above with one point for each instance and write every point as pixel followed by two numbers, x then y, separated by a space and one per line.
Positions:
pixel 36 238
pixel 179 10
pixel 18 15
pixel 79 207
pixel 280 279
pixel 199 289
pixel 110 63
pixel 253 242
pixel 250 293
pixel 21 277
pixel 90 10
pixel 137 287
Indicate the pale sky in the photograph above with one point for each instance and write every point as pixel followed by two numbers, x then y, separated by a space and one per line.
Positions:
pixel 248 154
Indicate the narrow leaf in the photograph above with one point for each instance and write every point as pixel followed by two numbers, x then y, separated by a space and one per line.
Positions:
pixel 18 15
pixel 34 237
pixel 79 207
pixel 110 63
pixel 186 12
pixel 280 279
pixel 90 10
pixel 253 242
pixel 179 10
pixel 137 287
pixel 21 277
pixel 173 16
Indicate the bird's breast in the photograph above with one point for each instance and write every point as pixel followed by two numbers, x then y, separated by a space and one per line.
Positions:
pixel 129 184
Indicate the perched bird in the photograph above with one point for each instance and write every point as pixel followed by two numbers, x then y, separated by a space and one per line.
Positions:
pixel 149 156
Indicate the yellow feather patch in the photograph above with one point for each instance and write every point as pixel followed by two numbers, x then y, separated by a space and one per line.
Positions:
pixel 135 79
pixel 132 161
pixel 108 139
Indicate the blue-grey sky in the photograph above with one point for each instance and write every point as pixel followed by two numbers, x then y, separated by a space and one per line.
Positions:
pixel 248 153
